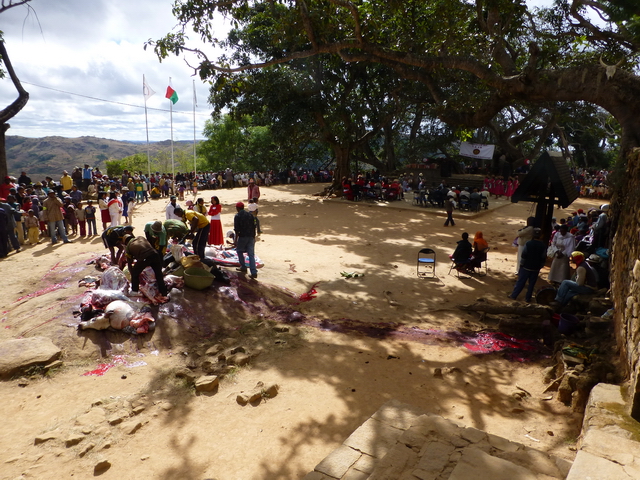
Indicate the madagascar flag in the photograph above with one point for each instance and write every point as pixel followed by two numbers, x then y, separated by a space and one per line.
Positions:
pixel 171 95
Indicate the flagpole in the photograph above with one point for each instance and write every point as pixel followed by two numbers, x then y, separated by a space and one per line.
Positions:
pixel 173 168
pixel 195 101
pixel 146 121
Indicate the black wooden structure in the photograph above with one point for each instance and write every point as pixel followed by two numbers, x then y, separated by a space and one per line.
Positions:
pixel 548 183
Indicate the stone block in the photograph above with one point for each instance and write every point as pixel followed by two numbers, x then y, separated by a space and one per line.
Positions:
pixel 93 417
pixel 413 438
pixel 207 383
pixel 397 460
pixel 73 439
pixel 214 350
pixel 438 425
pixel 317 476
pixel 591 466
pixel 131 427
pixel 433 459
pixel 611 447
pixel 473 435
pixel 45 437
pixel 534 460
pixel 374 438
pixel 503 444
pixel 475 463
pixel 353 474
pixel 397 414
pixel 365 463
pixel 338 462
pixel 19 354
pixel 118 417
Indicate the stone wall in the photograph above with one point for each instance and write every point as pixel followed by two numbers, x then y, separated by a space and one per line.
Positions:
pixel 625 273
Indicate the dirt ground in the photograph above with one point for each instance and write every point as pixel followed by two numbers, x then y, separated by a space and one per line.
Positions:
pixel 329 381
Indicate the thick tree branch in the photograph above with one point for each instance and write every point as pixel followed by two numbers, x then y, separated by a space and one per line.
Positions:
pixel 23 96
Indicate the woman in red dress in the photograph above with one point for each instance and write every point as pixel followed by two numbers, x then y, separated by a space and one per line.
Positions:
pixel 215 231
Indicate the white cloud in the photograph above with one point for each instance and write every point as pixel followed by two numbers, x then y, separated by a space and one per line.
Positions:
pixel 95 48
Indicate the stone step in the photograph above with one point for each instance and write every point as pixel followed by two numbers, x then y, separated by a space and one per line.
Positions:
pixel 399 442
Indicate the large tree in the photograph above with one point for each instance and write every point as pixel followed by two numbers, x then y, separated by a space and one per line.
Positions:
pixel 18 104
pixel 474 57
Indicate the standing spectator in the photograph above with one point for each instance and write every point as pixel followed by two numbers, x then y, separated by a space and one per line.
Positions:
pixel 104 210
pixel 215 230
pixel 23 179
pixel 5 187
pixel 70 215
pixel 76 176
pixel 87 175
pixel 524 235
pixel 253 191
pixel 76 195
pixel 245 229
pixel 33 232
pixel 4 233
pixel 90 217
pixel 55 219
pixel 66 181
pixel 563 244
pixel 82 219
pixel 171 207
pixel 115 208
pixel 534 256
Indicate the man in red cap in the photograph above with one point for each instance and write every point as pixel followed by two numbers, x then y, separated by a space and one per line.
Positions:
pixel 244 225
pixel 586 281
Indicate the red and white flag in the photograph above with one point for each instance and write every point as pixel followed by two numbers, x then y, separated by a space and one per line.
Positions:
pixel 477 150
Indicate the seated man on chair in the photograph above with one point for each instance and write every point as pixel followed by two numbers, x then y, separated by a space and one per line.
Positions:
pixel 462 254
pixel 586 281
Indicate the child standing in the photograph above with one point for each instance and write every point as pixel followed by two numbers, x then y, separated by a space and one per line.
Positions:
pixel 253 210
pixel 90 217
pixel 32 223
pixel 80 215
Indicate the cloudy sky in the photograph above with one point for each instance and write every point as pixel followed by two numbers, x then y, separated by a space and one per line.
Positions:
pixel 65 51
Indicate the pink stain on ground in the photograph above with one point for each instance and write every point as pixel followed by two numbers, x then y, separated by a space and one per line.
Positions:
pixel 51 288
pixel 310 295
pixel 116 360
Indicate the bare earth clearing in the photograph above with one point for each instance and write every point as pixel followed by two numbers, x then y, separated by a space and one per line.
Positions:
pixel 330 382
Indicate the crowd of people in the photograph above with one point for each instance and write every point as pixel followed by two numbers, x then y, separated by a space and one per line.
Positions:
pixel 75 205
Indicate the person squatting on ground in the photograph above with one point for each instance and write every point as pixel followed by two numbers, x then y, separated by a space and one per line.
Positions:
pixel 244 226
pixel 140 254
pixel 534 256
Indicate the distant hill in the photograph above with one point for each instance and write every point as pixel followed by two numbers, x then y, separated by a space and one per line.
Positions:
pixel 51 155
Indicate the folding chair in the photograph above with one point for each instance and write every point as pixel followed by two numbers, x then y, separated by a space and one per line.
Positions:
pixel 426 260
pixel 454 263
pixel 483 264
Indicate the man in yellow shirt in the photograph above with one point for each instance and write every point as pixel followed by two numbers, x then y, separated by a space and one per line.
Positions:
pixel 66 181
pixel 198 228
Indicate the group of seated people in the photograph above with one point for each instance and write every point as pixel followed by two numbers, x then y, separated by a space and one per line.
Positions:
pixel 468 257
pixel 466 198
pixel 370 190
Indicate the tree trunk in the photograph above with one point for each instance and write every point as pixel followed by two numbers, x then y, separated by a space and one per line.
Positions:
pixel 342 169
pixel 11 110
pixel 3 151
pixel 389 146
